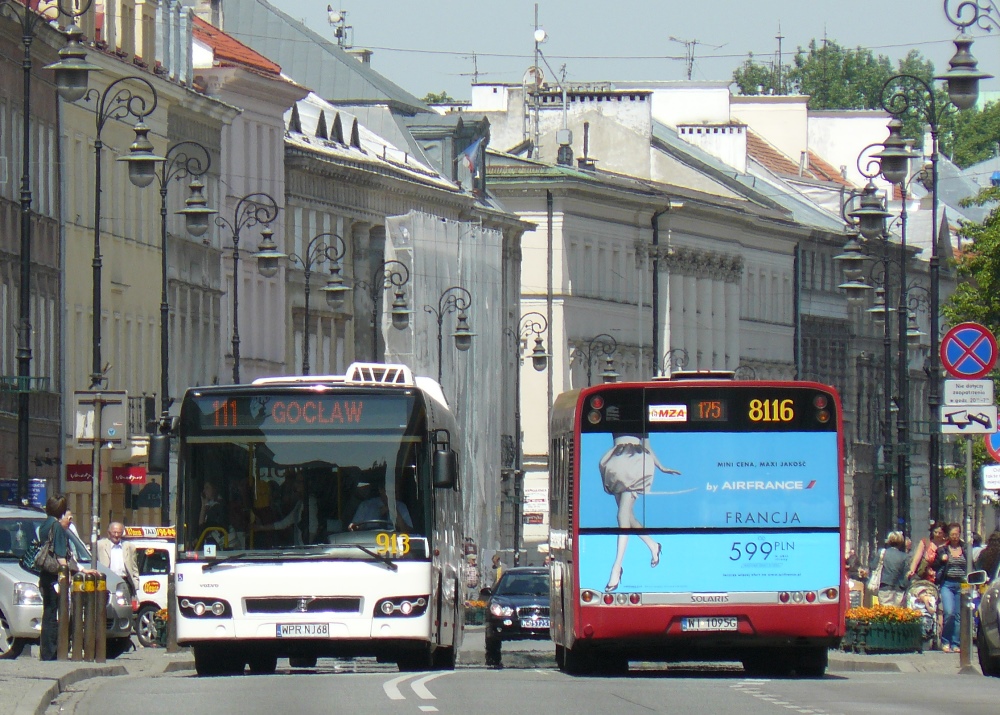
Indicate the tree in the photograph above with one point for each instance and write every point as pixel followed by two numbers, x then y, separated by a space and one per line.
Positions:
pixel 835 77
pixel 441 97
pixel 977 295
pixel 975 136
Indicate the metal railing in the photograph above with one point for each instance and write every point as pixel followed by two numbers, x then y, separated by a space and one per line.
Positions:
pixel 16 383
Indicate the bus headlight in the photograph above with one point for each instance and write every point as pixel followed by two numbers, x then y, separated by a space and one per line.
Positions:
pixel 205 608
pixel 401 606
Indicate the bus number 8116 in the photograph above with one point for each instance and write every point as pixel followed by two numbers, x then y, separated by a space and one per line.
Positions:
pixel 771 410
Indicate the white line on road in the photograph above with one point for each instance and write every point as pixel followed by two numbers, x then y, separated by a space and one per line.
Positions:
pixel 428 708
pixel 391 687
pixel 421 690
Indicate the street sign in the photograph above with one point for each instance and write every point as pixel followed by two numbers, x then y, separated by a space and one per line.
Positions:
pixel 968 392
pixel 973 419
pixel 993 445
pixel 968 351
pixel 114 417
pixel 991 477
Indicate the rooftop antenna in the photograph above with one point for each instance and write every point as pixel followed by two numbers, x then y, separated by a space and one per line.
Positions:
pixel 689 48
pixel 341 30
pixel 778 85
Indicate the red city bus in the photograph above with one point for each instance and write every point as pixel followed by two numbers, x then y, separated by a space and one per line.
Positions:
pixel 697 518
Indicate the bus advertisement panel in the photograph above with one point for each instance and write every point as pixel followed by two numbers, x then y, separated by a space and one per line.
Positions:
pixel 696 496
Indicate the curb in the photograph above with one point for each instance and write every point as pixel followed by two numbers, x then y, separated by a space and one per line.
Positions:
pixel 861 666
pixel 40 695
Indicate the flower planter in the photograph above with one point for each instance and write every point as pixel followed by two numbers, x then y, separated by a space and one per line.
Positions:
pixel 862 637
pixel 475 616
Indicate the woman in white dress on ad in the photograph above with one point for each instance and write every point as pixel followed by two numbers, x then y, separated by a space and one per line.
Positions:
pixel 627 472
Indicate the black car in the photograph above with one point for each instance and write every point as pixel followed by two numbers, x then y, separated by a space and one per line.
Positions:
pixel 518 609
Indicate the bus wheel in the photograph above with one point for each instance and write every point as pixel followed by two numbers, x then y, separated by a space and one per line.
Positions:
pixel 444 658
pixel 811 662
pixel 209 661
pixel 262 663
pixel 414 660
pixel 560 657
pixel 578 660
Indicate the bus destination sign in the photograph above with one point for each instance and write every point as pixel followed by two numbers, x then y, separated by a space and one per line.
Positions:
pixel 220 413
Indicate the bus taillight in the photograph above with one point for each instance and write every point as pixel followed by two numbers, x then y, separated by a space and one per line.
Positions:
pixel 810 597
pixel 594 417
pixel 597 402
pixel 831 593
pixel 820 402
pixel 587 596
pixel 784 597
pixel 609 599
pixel 634 598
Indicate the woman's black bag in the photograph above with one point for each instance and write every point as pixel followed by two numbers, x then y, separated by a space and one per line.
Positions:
pixel 39 558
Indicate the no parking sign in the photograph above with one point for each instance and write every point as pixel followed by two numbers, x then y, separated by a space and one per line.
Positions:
pixel 968 351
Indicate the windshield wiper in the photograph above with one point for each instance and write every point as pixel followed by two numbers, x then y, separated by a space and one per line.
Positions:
pixel 219 562
pixel 376 555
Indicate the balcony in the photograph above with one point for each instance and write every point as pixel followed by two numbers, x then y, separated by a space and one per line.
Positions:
pixel 16 383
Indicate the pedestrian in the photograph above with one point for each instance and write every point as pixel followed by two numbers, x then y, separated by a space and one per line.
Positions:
pixel 119 556
pixel 893 575
pixel 67 523
pixel 989 557
pixel 925 553
pixel 55 508
pixel 496 571
pixel 950 575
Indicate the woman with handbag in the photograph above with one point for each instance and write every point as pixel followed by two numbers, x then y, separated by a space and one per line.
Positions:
pixel 51 534
pixel 924 555
pixel 891 571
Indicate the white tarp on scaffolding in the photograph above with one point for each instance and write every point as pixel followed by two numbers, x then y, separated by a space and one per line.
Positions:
pixel 443 257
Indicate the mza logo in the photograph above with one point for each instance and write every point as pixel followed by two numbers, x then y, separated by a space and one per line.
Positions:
pixel 668 413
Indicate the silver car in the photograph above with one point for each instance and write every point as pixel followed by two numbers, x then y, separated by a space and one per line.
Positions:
pixel 988 632
pixel 21 601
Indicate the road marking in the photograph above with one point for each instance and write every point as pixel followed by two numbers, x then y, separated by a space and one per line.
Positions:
pixel 428 708
pixel 421 690
pixel 391 687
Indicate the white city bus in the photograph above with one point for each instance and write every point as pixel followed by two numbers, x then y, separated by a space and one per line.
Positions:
pixel 319 516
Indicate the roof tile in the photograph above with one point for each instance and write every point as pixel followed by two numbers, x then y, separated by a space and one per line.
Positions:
pixel 230 52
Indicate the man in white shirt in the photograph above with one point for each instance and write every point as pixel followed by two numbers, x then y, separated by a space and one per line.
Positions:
pixel 119 556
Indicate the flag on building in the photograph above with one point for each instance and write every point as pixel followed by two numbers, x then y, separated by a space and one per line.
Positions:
pixel 471 155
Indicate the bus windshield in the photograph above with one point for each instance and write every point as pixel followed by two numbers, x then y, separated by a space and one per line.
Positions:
pixel 278 472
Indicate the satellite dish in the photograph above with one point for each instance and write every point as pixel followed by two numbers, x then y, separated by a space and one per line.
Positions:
pixel 333 16
pixel 540 35
pixel 533 75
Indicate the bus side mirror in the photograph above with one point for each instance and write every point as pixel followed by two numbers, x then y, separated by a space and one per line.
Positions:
pixel 445 467
pixel 978 578
pixel 159 453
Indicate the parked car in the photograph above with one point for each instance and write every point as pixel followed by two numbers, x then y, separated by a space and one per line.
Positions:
pixel 156 552
pixel 21 601
pixel 988 632
pixel 517 609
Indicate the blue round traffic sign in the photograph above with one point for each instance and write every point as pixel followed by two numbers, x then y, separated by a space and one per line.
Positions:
pixel 968 351
pixel 993 445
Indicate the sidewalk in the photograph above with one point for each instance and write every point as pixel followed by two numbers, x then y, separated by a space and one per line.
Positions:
pixel 28 686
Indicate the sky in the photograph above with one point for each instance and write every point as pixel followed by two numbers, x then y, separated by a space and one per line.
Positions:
pixel 440 45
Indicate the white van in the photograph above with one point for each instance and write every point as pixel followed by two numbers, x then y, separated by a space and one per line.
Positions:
pixel 156 552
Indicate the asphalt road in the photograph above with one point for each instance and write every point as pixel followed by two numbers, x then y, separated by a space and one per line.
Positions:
pixel 366 688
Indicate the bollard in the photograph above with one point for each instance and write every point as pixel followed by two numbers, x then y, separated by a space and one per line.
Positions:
pixel 100 619
pixel 62 652
pixel 89 589
pixel 172 646
pixel 77 604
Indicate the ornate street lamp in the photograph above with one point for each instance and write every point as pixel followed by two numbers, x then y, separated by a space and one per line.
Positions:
pixel 675 359
pixel 394 275
pixel 118 101
pixel 608 346
pixel 906 93
pixel 453 299
pixel 321 248
pixel 251 210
